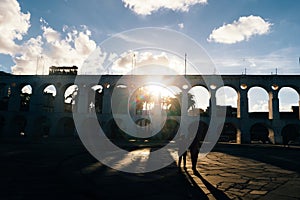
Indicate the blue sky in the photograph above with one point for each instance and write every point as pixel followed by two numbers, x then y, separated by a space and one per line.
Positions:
pixel 273 44
pixel 259 35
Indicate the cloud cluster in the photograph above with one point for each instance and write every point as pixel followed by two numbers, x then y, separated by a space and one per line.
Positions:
pixel 13 26
pixel 240 30
pixel 35 55
pixel 51 48
pixel 131 61
pixel 150 6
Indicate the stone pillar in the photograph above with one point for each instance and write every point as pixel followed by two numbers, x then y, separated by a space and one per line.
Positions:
pixel 59 101
pixel 212 103
pixel 14 99
pixel 274 115
pixel 242 114
pixel 242 104
pixel 274 105
pixel 36 101
pixel 184 103
pixel 106 104
pixel 83 98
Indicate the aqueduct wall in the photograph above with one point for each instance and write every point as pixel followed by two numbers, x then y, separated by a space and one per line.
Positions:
pixel 52 118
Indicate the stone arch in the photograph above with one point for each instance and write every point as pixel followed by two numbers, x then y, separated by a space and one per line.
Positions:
pixel 95 98
pixel 70 97
pixel 25 96
pixel 260 132
pixel 49 88
pixel 288 102
pixel 17 125
pixel 229 133
pixel 227 96
pixel 49 93
pixel 290 134
pixel 42 127
pixel 258 102
pixel 201 97
pixel 65 127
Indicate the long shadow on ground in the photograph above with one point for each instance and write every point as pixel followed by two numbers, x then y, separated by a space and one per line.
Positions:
pixel 283 157
pixel 63 169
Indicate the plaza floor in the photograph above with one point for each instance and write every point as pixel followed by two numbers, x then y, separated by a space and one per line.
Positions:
pixel 49 168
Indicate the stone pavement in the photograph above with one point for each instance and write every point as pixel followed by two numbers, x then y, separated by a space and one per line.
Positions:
pixel 62 169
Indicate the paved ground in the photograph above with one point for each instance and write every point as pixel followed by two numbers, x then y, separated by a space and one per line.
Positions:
pixel 63 169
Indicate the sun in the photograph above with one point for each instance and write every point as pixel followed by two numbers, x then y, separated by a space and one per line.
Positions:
pixel 159 91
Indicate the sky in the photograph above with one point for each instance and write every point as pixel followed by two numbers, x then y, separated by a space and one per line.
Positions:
pixel 261 36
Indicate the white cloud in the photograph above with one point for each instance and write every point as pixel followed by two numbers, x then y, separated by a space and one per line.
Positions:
pixel 137 62
pixel 226 96
pixel 138 59
pixel 26 62
pixel 50 35
pixel 259 106
pixel 13 25
pixel 38 54
pixel 181 25
pixel 240 30
pixel 149 6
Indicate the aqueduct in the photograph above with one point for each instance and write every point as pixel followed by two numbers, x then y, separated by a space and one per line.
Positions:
pixel 44 113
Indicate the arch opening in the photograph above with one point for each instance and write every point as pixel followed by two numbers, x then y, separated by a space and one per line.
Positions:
pixel 260 133
pixel 70 98
pixel 49 94
pixel 288 103
pixel 95 101
pixel 25 96
pixel 229 133
pixel 201 98
pixel 291 134
pixel 258 105
pixel 227 97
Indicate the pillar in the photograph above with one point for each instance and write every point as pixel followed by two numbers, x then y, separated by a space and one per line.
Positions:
pixel 242 114
pixel 106 104
pixel 81 101
pixel 184 103
pixel 274 105
pixel 14 99
pixel 274 116
pixel 59 101
pixel 212 103
pixel 36 101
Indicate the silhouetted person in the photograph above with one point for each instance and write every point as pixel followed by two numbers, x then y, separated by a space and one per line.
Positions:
pixel 182 157
pixel 194 150
pixel 285 140
pixel 181 145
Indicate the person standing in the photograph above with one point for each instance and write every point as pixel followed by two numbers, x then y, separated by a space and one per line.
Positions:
pixel 181 146
pixel 194 151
